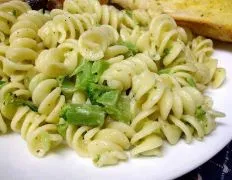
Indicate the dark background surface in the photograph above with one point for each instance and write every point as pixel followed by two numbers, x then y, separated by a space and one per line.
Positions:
pixel 217 168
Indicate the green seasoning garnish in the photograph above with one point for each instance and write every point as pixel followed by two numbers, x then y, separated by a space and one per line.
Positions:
pixel 164 71
pixel 11 99
pixel 191 82
pixel 200 113
pixel 2 83
pixel 132 49
pixel 96 158
pixel 61 128
pixel 83 114
pixel 165 52
pixel 129 13
pixel 14 12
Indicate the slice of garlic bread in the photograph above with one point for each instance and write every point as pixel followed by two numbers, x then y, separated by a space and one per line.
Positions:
pixel 211 18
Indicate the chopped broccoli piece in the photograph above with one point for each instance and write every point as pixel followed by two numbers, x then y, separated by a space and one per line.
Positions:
pixel 98 68
pixel 83 114
pixel 95 91
pixel 120 111
pixel 109 98
pixel 84 76
pixel 89 72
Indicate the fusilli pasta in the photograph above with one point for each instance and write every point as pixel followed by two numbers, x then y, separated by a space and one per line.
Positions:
pixel 165 91
pixel 119 75
pixel 23 40
pixel 40 137
pixel 105 14
pixel 104 80
pixel 93 43
pixel 9 12
pixel 3 127
pixel 108 145
pixel 58 61
pixel 203 49
pixel 166 37
pixel 46 94
pixel 16 89
pixel 146 140
pixel 65 26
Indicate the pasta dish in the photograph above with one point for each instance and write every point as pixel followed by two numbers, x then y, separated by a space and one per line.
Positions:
pixel 109 83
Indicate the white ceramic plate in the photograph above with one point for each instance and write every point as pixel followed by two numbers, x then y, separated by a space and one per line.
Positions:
pixel 17 163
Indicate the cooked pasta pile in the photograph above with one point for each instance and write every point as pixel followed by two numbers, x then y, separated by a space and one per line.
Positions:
pixel 108 82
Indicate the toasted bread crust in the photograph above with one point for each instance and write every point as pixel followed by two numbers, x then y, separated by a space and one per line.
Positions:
pixel 208 29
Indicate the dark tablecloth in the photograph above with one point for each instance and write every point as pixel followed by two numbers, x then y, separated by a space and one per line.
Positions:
pixel 217 168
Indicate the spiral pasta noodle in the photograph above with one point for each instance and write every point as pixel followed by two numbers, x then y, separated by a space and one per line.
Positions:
pixel 78 97
pixel 203 49
pixel 141 39
pixel 17 89
pixel 93 43
pixel 185 74
pixel 188 124
pixel 3 49
pixel 119 75
pixel 109 144
pixel 49 100
pixel 105 14
pixel 102 145
pixel 58 61
pixel 115 53
pixel 219 77
pixel 7 111
pixel 3 127
pixel 65 26
pixel 165 43
pixel 40 137
pixel 146 140
pixel 79 137
pixel 23 40
pixel 166 37
pixel 165 92
pixel 9 12
pixel 191 126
